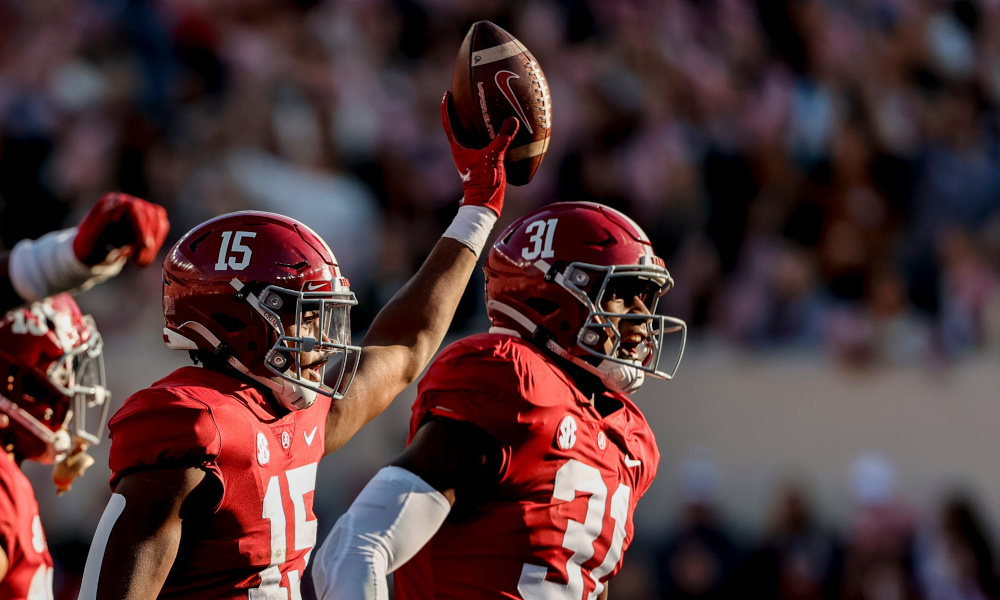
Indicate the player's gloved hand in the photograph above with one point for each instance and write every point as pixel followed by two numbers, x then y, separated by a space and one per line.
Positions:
pixel 68 469
pixel 121 225
pixel 484 178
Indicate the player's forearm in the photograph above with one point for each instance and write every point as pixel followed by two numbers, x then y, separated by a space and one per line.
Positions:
pixel 418 316
pixel 393 517
pixel 37 269
pixel 118 226
pixel 402 339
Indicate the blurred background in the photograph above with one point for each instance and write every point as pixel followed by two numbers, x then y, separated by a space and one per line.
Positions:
pixel 822 178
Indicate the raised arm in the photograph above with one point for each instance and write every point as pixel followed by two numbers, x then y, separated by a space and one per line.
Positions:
pixel 408 331
pixel 118 227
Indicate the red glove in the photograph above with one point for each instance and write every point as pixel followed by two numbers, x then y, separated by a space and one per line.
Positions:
pixel 484 179
pixel 121 222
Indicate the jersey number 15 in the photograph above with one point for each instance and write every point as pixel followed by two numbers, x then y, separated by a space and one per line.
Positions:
pixel 301 481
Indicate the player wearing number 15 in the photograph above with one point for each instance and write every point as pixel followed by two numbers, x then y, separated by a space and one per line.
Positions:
pixel 526 458
pixel 214 468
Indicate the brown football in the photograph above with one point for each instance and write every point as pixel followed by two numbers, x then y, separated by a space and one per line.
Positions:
pixel 496 77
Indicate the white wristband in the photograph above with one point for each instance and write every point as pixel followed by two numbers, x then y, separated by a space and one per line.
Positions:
pixel 47 266
pixel 472 226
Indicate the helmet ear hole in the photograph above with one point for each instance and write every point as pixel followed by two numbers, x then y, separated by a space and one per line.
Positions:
pixel 542 306
pixel 229 323
pixel 32 389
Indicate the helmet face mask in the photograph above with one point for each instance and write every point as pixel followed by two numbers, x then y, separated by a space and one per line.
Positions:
pixel 582 280
pixel 80 376
pixel 318 334
pixel 602 326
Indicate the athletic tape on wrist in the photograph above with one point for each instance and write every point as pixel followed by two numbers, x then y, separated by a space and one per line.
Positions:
pixel 472 226
pixel 46 266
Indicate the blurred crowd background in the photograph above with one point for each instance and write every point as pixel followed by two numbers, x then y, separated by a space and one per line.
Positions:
pixel 822 178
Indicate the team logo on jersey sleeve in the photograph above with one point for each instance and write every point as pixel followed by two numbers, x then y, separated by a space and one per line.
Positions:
pixel 263 452
pixel 566 438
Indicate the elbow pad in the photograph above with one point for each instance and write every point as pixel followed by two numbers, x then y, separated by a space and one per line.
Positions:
pixel 392 518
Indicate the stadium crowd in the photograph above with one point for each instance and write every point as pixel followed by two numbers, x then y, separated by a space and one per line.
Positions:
pixel 819 175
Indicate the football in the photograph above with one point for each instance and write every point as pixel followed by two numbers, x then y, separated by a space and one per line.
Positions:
pixel 496 77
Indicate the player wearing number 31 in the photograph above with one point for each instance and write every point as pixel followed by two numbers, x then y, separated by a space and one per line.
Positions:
pixel 526 458
pixel 213 469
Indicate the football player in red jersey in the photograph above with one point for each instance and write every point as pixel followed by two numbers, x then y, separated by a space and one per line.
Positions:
pixel 214 469
pixel 53 379
pixel 525 458
pixel 118 227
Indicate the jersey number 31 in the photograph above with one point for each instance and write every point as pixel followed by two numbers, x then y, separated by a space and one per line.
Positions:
pixel 572 477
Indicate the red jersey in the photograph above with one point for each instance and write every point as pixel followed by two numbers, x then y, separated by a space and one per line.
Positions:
pixel 29 570
pixel 561 516
pixel 256 542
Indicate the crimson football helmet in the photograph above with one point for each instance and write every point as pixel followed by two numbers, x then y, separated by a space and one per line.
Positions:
pixel 550 273
pixel 51 356
pixel 264 293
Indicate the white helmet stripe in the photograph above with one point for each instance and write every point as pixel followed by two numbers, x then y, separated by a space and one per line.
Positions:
pixel 522 320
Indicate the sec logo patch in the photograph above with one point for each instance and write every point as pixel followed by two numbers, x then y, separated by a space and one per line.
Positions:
pixel 566 438
pixel 263 452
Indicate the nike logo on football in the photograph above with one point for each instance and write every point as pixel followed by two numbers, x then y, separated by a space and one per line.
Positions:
pixel 315 285
pixel 631 462
pixel 309 436
pixel 502 80
pixel 467 175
